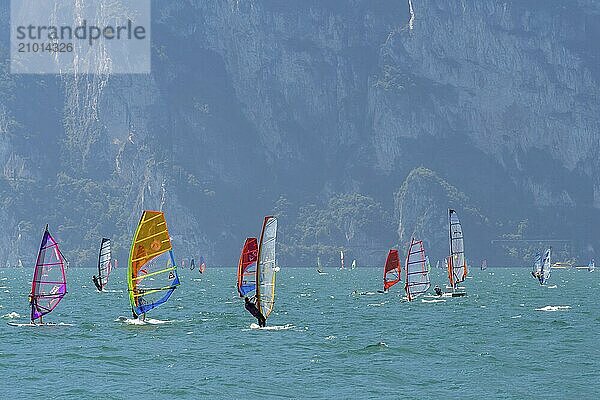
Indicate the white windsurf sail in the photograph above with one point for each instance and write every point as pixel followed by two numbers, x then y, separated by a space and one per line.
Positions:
pixel 417 271
pixel 105 266
pixel 546 266
pixel 266 267
pixel 456 262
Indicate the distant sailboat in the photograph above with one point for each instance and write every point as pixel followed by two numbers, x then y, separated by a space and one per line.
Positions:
pixel 266 267
pixel 152 272
pixel 105 265
pixel 455 262
pixel 320 268
pixel 562 265
pixel 49 284
pixel 391 270
pixel 417 271
pixel 192 264
pixel 341 259
pixel 483 265
pixel 353 264
pixel 589 267
pixel 246 276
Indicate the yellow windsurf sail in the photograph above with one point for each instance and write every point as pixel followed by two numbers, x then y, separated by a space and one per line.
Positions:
pixel 152 272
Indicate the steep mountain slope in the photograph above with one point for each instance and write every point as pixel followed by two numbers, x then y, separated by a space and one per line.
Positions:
pixel 266 106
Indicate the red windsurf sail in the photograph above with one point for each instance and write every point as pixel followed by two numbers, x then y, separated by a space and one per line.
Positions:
pixel 391 271
pixel 246 278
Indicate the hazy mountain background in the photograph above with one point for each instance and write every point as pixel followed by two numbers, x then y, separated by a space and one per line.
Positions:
pixel 355 129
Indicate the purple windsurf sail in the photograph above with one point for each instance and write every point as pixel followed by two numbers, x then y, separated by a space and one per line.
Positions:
pixel 49 283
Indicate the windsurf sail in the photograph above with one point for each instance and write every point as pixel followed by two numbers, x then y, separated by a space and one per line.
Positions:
pixel 266 267
pixel 417 273
pixel 592 265
pixel 246 277
pixel 49 284
pixel 546 266
pixel 391 270
pixel 483 265
pixel 537 266
pixel 201 265
pixel 152 273
pixel 341 259
pixel 353 264
pixel 319 267
pixel 456 262
pixel 105 266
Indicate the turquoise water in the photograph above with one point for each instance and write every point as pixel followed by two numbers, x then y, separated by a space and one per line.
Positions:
pixel 491 344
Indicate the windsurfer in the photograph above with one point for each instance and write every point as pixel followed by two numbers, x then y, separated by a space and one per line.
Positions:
pixel 438 291
pixel 252 309
pixel 31 303
pixel 97 283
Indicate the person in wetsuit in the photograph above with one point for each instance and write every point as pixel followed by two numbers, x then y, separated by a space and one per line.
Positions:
pixel 438 291
pixel 252 309
pixel 97 283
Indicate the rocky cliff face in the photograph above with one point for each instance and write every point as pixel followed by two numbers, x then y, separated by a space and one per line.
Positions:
pixel 488 107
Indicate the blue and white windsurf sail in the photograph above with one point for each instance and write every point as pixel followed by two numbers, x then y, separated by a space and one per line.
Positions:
pixel 546 267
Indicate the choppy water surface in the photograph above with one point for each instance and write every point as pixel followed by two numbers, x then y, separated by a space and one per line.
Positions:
pixel 510 338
